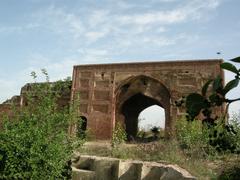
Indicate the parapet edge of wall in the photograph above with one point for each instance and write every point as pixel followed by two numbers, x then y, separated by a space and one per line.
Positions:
pixel 142 63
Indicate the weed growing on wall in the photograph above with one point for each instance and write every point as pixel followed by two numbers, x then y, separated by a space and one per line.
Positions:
pixel 34 143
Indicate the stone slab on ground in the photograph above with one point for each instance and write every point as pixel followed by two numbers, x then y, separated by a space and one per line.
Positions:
pixel 130 170
pixel 79 174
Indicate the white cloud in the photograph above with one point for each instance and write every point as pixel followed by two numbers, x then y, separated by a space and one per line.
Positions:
pixel 187 11
pixel 58 21
pixel 93 36
pixel 167 17
pixel 115 23
pixel 18 29
pixel 98 17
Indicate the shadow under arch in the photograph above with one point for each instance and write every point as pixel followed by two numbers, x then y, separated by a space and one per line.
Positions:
pixel 136 94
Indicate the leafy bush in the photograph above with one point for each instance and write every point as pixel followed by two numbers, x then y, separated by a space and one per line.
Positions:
pixel 191 134
pixel 119 135
pixel 34 143
pixel 194 135
pixel 223 136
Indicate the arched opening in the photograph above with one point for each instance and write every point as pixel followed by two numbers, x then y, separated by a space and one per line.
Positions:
pixel 151 123
pixel 137 94
pixel 81 127
pixel 131 109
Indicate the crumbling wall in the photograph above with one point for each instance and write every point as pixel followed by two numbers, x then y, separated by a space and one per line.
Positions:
pixel 8 107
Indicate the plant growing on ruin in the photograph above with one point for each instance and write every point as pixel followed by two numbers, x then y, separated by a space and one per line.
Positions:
pixel 34 143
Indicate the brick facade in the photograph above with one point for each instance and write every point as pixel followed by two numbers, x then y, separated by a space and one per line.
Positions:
pixel 110 92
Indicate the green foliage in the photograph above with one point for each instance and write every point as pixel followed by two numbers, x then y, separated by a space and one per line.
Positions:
pixel 194 103
pixel 223 136
pixel 237 59
pixel 119 135
pixel 34 143
pixel 210 98
pixel 192 134
pixel 81 131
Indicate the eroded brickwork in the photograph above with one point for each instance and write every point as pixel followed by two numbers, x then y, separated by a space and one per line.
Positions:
pixel 8 107
pixel 104 89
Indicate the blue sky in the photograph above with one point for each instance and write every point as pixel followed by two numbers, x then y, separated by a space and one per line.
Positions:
pixel 57 34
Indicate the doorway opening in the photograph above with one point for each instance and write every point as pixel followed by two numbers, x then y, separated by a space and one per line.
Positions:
pixel 132 109
pixel 81 127
pixel 138 95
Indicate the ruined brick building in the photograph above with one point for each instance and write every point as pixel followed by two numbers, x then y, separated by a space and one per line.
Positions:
pixel 112 93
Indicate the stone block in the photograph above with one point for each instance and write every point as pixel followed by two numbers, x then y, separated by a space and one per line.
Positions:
pixel 84 163
pixel 106 168
pixel 151 172
pixel 175 172
pixel 130 170
pixel 79 174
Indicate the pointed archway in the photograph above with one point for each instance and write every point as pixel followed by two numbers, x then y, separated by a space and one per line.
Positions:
pixel 136 94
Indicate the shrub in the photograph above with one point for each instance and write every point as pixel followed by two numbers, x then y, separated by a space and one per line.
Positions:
pixel 34 143
pixel 225 138
pixel 119 135
pixel 220 137
pixel 191 133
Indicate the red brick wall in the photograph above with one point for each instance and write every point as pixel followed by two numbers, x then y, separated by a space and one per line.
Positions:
pixel 98 86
